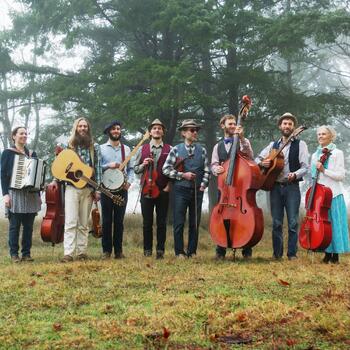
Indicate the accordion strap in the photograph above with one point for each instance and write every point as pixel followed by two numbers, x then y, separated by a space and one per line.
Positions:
pixel 30 152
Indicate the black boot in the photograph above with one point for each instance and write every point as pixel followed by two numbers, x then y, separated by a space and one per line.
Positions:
pixel 327 258
pixel 335 258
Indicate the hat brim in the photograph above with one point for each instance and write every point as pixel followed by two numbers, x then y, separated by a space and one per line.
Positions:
pixel 189 127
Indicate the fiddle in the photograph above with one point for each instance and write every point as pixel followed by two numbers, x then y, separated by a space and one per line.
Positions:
pixel 150 188
pixel 236 221
pixel 316 230
pixel 96 222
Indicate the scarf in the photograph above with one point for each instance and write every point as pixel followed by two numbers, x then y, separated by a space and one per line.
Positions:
pixel 318 153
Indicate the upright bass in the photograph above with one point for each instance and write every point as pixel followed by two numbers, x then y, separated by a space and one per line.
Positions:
pixel 236 221
pixel 316 230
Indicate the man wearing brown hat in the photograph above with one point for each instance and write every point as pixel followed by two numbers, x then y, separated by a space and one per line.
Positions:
pixel 113 153
pixel 189 185
pixel 154 187
pixel 285 193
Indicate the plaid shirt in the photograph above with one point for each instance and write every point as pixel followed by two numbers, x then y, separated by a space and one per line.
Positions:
pixel 170 171
pixel 84 154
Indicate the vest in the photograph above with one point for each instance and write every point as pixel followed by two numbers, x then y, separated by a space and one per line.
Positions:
pixel 293 157
pixel 162 180
pixel 194 164
pixel 222 153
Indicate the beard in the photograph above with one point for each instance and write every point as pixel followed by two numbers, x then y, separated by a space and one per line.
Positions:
pixel 287 133
pixel 114 138
pixel 84 141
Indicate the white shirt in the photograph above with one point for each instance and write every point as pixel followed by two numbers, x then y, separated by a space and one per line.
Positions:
pixel 335 172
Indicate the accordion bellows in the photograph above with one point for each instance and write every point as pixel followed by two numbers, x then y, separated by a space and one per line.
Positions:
pixel 28 173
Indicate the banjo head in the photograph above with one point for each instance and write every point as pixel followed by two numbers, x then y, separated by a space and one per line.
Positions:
pixel 113 179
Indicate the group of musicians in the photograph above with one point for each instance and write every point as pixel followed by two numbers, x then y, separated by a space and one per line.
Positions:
pixel 183 169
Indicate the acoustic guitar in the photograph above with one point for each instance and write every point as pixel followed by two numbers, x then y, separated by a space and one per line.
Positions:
pixel 67 166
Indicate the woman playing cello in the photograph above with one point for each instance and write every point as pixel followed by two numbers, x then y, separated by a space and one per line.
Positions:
pixel 332 173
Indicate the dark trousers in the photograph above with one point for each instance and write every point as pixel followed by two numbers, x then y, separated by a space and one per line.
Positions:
pixel 285 196
pixel 113 214
pixel 183 199
pixel 221 251
pixel 15 221
pixel 147 208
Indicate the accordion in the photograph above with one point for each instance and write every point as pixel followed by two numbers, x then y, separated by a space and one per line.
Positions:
pixel 28 173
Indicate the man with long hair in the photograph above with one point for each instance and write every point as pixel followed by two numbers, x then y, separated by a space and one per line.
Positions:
pixel 78 202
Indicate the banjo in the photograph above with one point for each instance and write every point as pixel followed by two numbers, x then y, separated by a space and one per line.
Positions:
pixel 114 180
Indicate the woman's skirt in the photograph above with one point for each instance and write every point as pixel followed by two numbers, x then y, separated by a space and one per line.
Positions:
pixel 340 232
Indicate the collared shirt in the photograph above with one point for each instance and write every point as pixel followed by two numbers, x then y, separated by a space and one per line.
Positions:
pixel 155 149
pixel 245 148
pixel 84 154
pixel 170 171
pixel 111 153
pixel 303 160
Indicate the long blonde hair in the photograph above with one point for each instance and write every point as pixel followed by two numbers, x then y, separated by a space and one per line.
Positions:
pixel 72 142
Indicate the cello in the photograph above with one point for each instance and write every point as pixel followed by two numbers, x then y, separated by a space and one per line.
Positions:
pixel 316 230
pixel 52 226
pixel 150 188
pixel 236 221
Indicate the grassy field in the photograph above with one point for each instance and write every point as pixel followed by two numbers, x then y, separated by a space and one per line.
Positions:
pixel 142 303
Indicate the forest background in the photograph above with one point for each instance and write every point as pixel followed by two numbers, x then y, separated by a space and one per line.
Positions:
pixel 137 60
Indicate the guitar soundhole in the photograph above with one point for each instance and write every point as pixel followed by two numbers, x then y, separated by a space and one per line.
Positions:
pixel 78 174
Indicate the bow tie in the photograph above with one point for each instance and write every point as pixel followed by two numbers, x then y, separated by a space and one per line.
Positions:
pixel 228 140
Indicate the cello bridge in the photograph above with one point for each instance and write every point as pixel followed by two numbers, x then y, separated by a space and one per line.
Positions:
pixel 230 205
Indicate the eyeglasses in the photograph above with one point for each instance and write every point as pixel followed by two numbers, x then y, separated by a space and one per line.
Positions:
pixel 192 130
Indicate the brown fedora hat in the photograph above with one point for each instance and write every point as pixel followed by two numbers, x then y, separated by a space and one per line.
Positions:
pixel 189 123
pixel 156 122
pixel 287 115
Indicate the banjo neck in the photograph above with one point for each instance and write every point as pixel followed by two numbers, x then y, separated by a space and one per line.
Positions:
pixel 133 152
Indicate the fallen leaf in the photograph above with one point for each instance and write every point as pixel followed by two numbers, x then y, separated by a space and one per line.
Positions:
pixel 57 327
pixel 291 342
pixel 32 283
pixel 131 321
pixel 166 333
pixel 242 317
pixel 283 283
pixel 37 274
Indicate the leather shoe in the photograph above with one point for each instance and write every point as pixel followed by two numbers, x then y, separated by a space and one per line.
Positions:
pixel 27 258
pixel 15 259
pixel 119 255
pixel 66 259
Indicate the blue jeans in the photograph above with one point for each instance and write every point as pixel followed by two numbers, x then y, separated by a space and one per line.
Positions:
pixel 27 221
pixel 184 197
pixel 113 214
pixel 285 196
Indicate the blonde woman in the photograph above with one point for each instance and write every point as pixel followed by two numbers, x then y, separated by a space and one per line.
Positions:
pixel 332 173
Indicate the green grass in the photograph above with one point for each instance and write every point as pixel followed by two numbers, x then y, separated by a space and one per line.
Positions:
pixel 124 304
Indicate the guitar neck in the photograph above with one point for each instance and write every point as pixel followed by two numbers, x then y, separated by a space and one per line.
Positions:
pixel 133 152
pixel 96 186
